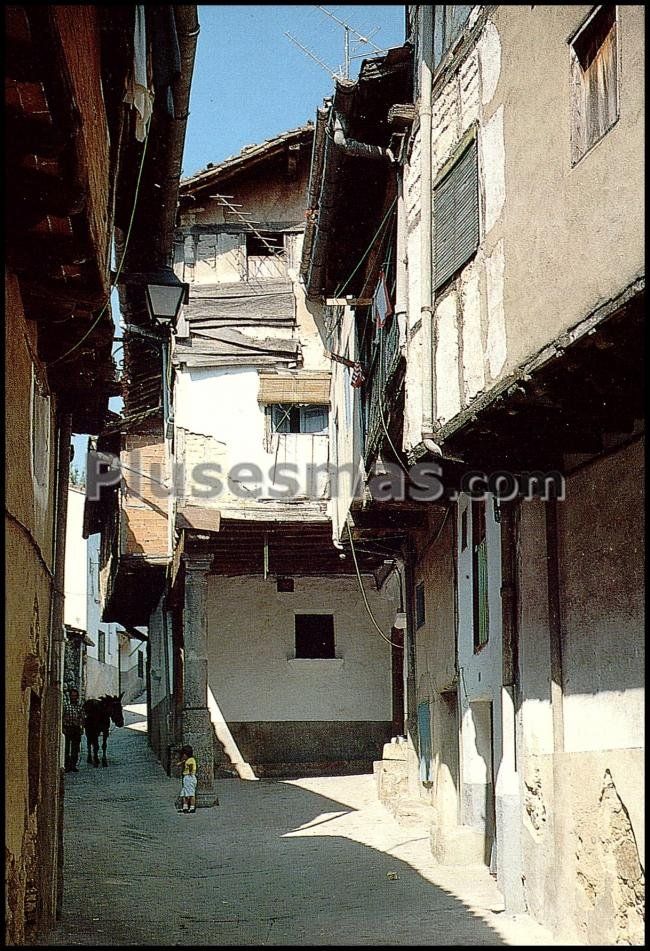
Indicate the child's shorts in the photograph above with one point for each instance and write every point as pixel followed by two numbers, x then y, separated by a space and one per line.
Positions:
pixel 188 787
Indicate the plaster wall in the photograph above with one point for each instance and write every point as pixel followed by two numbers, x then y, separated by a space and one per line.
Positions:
pixel 273 200
pixel 30 432
pixel 480 690
pixel 76 557
pixel 102 676
pixel 346 431
pixel 593 788
pixel 533 204
pixel 219 420
pixel 435 642
pixel 265 193
pixel 591 214
pixel 131 684
pixel 248 619
pixel 603 604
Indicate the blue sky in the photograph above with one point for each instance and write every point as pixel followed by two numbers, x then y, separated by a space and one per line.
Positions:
pixel 252 83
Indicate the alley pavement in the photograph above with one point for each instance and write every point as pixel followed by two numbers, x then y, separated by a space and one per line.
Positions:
pixel 305 862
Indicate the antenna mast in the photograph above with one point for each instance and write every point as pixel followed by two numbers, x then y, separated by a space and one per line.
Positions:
pixel 313 55
pixel 346 40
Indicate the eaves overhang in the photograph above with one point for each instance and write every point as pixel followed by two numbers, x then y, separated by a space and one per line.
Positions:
pixel 151 233
pixel 347 193
pixel 249 158
pixel 579 394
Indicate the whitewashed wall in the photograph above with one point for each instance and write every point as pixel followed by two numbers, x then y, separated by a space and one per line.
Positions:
pixel 219 420
pixel 480 674
pixel 346 431
pixel 76 555
pixel 253 672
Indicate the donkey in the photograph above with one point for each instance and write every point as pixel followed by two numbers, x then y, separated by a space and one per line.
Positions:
pixel 98 716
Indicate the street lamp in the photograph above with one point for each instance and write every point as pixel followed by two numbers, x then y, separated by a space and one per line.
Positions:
pixel 165 295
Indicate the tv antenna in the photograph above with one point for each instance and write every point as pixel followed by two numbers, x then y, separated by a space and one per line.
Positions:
pixel 312 54
pixel 348 56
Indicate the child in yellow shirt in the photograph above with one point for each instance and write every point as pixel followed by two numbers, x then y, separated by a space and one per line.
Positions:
pixel 188 784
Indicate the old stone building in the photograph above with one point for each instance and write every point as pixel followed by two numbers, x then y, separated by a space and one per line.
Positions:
pixel 516 277
pixel 261 653
pixel 73 154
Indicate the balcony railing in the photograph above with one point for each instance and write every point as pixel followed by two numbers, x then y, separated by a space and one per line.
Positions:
pixel 385 361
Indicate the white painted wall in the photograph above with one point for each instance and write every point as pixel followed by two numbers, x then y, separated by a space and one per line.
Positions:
pixel 470 314
pixel 221 404
pixel 346 429
pixel 603 604
pixel 76 582
pixel 253 673
pixel 480 674
pixel 534 656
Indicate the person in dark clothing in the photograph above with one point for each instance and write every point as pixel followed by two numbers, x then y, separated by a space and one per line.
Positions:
pixel 73 716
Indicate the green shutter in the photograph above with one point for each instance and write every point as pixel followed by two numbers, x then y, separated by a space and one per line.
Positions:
pixel 483 616
pixel 455 216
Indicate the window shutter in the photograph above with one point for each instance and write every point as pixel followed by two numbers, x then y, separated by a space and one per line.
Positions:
pixel 455 211
pixel 307 387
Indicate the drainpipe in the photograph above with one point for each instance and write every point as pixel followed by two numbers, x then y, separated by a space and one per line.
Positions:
pixel 401 283
pixel 426 231
pixel 354 147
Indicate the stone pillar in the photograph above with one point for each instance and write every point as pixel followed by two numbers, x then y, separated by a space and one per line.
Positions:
pixel 197 725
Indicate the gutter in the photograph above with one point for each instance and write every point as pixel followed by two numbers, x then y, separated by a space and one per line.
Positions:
pixel 187 28
pixel 335 145
pixel 353 147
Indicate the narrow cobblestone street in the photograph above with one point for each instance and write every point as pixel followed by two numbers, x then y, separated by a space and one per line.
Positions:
pixel 312 861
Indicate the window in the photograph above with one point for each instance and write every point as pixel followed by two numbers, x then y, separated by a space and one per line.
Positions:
pixel 294 418
pixel 448 23
pixel 479 575
pixel 314 635
pixel 594 105
pixel 420 612
pixel 101 647
pixel 140 664
pixel 284 585
pixel 265 256
pixel 455 211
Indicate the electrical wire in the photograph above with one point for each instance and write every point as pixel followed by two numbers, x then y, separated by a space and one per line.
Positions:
pixel 363 593
pixel 121 263
pixel 365 254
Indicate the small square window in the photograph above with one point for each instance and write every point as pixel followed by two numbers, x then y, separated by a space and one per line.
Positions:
pixel 293 418
pixel 594 93
pixel 285 585
pixel 315 635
